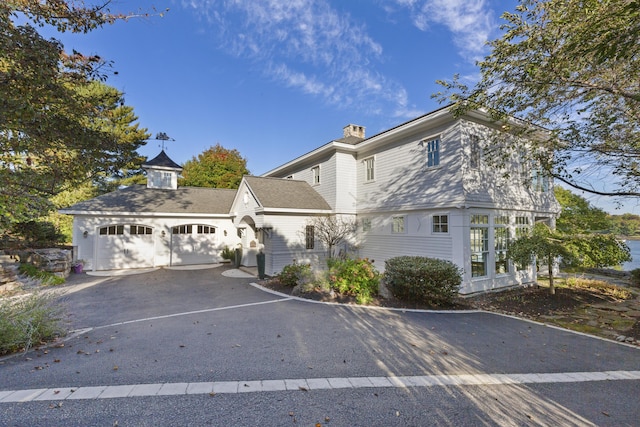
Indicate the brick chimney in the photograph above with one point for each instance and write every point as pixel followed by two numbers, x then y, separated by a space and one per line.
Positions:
pixel 353 130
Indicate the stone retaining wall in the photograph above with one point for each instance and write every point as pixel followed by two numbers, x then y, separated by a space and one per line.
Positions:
pixel 54 260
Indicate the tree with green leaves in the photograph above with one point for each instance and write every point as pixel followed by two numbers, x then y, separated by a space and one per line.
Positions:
pixel 586 232
pixel 570 67
pixel 597 251
pixel 58 126
pixel 582 238
pixel 578 216
pixel 626 224
pixel 542 244
pixel 216 167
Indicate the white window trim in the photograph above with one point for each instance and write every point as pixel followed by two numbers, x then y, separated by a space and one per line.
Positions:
pixel 316 179
pixel 404 224
pixel 366 169
pixel 439 233
pixel 475 156
pixel 488 259
pixel 425 143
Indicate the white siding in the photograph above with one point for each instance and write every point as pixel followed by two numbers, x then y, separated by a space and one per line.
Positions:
pixel 244 206
pixel 380 244
pixel 403 181
pixel 287 243
pixel 493 185
pixel 346 191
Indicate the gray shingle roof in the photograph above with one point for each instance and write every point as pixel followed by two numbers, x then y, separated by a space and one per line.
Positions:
pixel 139 198
pixel 286 193
pixel 162 160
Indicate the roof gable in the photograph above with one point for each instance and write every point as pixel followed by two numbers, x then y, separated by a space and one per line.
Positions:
pixel 285 193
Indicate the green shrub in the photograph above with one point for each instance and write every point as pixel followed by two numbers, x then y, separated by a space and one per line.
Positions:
pixel 422 280
pixel 44 276
pixel 228 254
pixel 28 321
pixel 295 274
pixel 355 277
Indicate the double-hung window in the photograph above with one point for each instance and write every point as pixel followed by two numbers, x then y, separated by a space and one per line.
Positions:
pixel 309 237
pixel 397 225
pixel 522 229
pixel 475 152
pixel 369 166
pixel 315 172
pixel 501 242
pixel 479 236
pixel 433 152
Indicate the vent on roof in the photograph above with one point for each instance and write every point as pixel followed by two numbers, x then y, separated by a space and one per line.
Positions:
pixel 353 130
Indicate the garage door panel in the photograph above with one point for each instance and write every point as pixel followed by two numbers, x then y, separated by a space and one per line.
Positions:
pixel 193 248
pixel 116 251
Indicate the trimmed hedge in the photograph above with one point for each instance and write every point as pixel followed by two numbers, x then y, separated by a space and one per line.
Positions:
pixel 423 280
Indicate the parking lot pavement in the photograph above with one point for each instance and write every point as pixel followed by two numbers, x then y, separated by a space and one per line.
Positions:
pixel 198 347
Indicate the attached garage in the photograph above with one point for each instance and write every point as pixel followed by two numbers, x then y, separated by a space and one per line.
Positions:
pixel 124 246
pixel 154 225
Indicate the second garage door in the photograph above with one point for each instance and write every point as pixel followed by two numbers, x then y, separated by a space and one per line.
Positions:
pixel 193 244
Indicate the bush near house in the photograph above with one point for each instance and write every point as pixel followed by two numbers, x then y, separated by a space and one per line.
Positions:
pixel 354 277
pixel 422 280
pixel 28 321
pixel 295 274
pixel 228 254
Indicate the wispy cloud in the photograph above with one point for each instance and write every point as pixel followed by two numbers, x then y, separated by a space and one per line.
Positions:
pixel 307 45
pixel 471 22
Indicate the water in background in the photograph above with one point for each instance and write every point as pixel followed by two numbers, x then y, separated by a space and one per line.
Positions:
pixel 634 246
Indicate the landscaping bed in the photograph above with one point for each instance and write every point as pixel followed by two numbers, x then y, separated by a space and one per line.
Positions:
pixel 593 306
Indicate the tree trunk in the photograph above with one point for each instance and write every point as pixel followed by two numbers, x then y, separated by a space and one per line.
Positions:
pixel 552 288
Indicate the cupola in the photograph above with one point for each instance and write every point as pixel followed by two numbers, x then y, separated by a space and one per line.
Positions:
pixel 162 172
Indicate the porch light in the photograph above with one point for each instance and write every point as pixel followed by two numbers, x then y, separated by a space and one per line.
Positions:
pixel 85 234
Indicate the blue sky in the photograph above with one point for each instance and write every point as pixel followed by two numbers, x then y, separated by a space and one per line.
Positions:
pixel 275 79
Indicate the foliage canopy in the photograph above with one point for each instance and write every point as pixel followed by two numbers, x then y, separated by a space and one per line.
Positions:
pixel 578 216
pixel 216 167
pixel 58 125
pixel 570 67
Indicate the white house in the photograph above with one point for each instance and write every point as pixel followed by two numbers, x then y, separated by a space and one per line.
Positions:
pixel 154 225
pixel 420 188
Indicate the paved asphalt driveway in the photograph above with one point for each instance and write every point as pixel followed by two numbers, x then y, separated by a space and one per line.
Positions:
pixel 175 348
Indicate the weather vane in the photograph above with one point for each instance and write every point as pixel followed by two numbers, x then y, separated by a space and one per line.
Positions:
pixel 161 136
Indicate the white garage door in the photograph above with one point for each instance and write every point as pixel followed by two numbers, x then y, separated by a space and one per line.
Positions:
pixel 193 244
pixel 124 246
